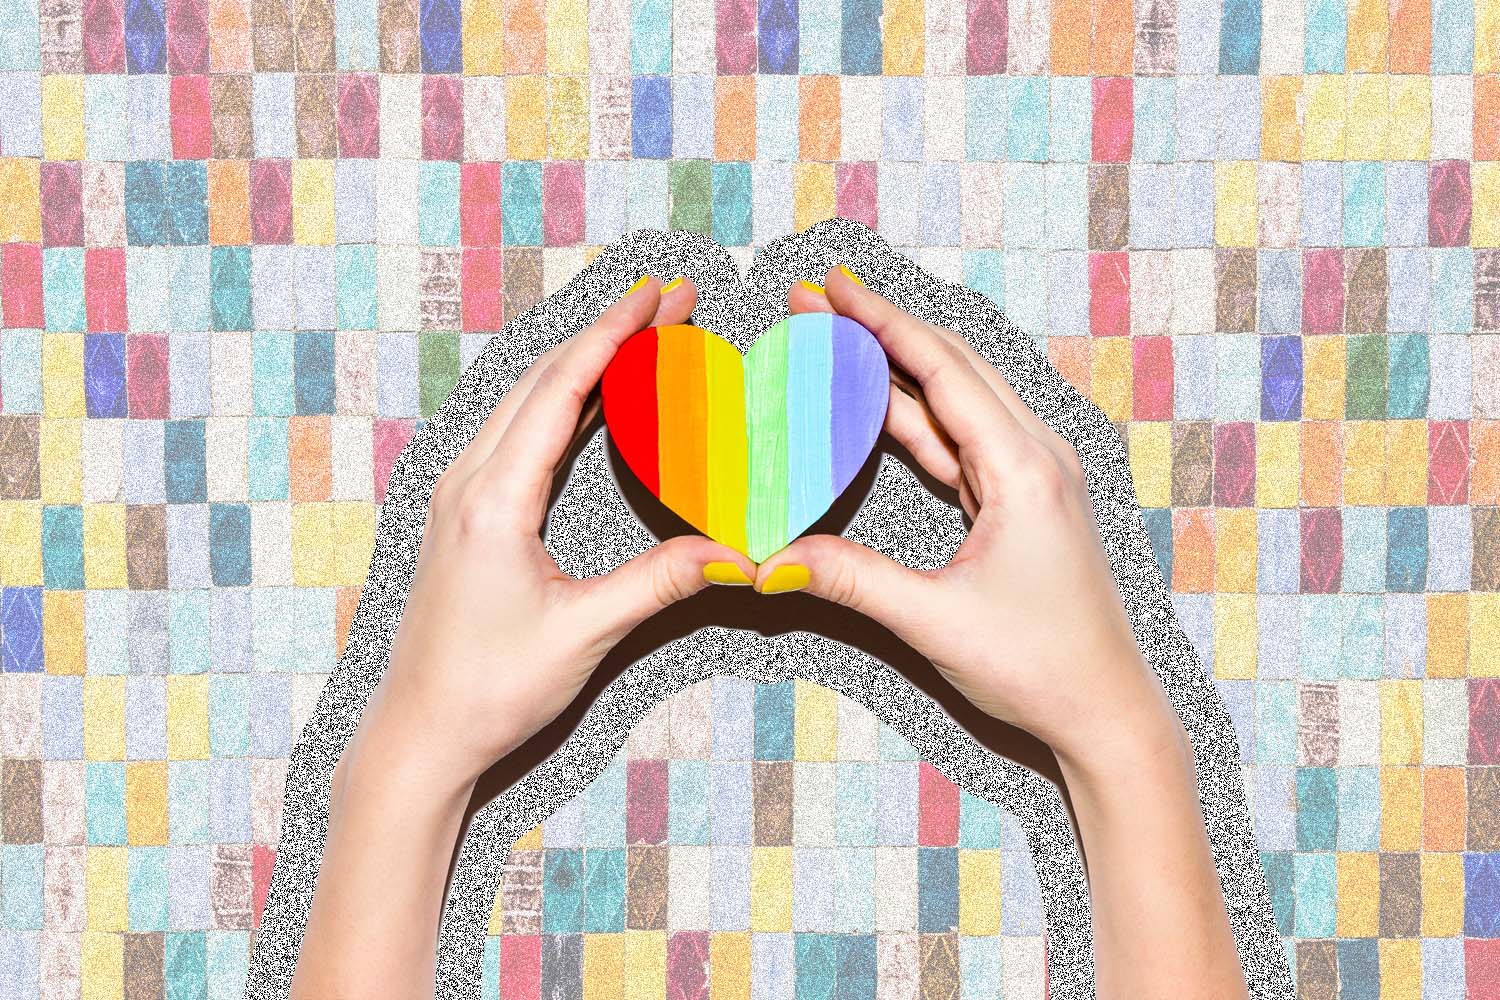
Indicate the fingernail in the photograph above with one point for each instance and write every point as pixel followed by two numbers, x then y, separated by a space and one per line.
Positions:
pixel 638 283
pixel 815 289
pixel 726 573
pixel 851 275
pixel 788 576
pixel 671 284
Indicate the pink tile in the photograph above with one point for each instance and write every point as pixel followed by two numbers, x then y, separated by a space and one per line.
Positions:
pixel 1109 294
pixel 1153 380
pixel 521 966
pixel 147 377
pixel 187 36
pixel 735 41
pixel 855 192
pixel 1450 203
pixel 21 285
pixel 262 862
pixel 103 30
pixel 442 118
pixel 937 817
pixel 270 201
pixel 687 966
pixel 1234 464
pixel 645 801
pixel 1114 111
pixel 192 129
pixel 1322 550
pixel 62 203
pixel 479 204
pixel 359 114
pixel 483 289
pixel 1448 462
pixel 989 30
pixel 562 203
pixel 1323 291
pixel 391 438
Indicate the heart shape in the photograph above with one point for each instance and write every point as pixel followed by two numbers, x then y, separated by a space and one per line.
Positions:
pixel 749 450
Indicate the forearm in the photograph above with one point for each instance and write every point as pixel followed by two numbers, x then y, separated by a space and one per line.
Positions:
pixel 394 818
pixel 1160 927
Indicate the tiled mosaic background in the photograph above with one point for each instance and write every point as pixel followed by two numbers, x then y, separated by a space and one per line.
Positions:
pixel 249 244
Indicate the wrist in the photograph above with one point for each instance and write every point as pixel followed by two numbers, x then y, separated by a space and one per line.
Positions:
pixel 1143 741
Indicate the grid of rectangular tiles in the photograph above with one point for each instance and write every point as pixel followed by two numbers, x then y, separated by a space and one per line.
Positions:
pixel 246 246
pixel 736 847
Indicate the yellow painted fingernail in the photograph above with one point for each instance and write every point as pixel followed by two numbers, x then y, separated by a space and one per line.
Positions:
pixel 671 284
pixel 638 283
pixel 815 289
pixel 788 576
pixel 851 275
pixel 725 573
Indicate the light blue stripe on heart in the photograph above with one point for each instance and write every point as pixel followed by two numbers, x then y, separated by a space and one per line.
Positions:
pixel 809 375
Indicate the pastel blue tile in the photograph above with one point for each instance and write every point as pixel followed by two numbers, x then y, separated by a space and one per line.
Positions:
pixel 1154 130
pixel 940 204
pixel 1364 550
pixel 150 649
pixel 1239 106
pixel 1409 271
pixel 651 117
pixel 1363 635
pixel 1279 636
pixel 62 289
pixel 143 443
pixel 62 717
pixel 820 41
pixel 1239 701
pixel 729 889
pixel 894 746
pixel 185 965
pixel 606 214
pixel 1316 887
pixel 317 287
pixel 1020 894
pixel 688 801
pixel 21 886
pixel 1029 98
pixel 1151 221
pixel 228 718
pixel 1326 36
pixel 692 130
pixel 1193 386
pixel 189 785
pixel 228 963
pixel 1197 118
pixel 273 114
pixel 1193 213
pixel 1452 290
pixel 902 117
pixel 190 363
pixel 986 106
pixel 147 875
pixel 187 546
pixel 150 118
pixel 1406 631
pixel 1276 722
pixel 1452 36
pixel 1067 293
pixel 354 196
pixel 1322 628
pixel 978 821
pixel 189 872
pixel 604 807
pixel 854 809
pixel 1026 289
pixel 1071 137
pixel 1280 280
pixel 1196 615
pixel 229 622
pixel 20 120
pixel 1197 36
pixel 146 718
pixel 1322 204
pixel 230 803
pixel 188 297
pixel 270 716
pixel 1450 548
pixel 896 822
pixel 1406 204
pixel 1237 367
pixel 815 878
pixel 437 203
pixel 854 894
pixel 649 193
pixel 1443 969
pixel 1275 814
pixel 21 630
pixel 777 135
pixel 273 270
pixel 603 890
pixel 1482 895
pixel 104 801
pixel 565 827
pixel 266 455
pixel 105 621
pixel 20 964
pixel 1358 808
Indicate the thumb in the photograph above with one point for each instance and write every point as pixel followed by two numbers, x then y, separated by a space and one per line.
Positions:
pixel 855 576
pixel 658 578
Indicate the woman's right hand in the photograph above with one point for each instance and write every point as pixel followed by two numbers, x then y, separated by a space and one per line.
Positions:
pixel 1026 620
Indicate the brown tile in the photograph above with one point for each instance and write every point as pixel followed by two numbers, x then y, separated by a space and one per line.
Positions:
pixel 317 105
pixel 314 35
pixel 1155 37
pixel 1109 206
pixel 1192 463
pixel 646 887
pixel 21 801
pixel 400 44
pixel 1486 562
pixel 144 957
pixel 940 966
pixel 1318 725
pixel 521 893
pixel 442 289
pixel 1234 283
pixel 146 546
pixel 233 129
pixel 271 35
pixel 230 889
pixel 1487 290
pixel 1365 307
pixel 772 790
pixel 1317 970
pixel 1400 896
pixel 523 280
pixel 20 469
pixel 1484 808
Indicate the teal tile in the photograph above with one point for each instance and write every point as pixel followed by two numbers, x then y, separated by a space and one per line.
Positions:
pixel 191 648
pixel 266 458
pixel 356 275
pixel 1316 888
pixel 185 965
pixel 188 788
pixel 604 890
pixel 273 385
pixel 979 822
pixel 62 289
pixel 562 890
pixel 1317 809
pixel 1408 376
pixel 147 872
pixel 21 886
pixel 687 801
pixel 1363 635
pixel 816 962
pixel 1364 204
pixel 1276 722
pixel 104 801
pixel 437 219
pixel 228 715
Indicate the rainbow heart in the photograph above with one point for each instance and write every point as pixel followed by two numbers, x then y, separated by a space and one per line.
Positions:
pixel 749 450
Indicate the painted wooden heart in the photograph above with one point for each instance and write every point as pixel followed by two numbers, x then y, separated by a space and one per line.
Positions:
pixel 749 450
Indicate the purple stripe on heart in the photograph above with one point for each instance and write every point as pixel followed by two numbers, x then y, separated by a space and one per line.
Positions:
pixel 859 398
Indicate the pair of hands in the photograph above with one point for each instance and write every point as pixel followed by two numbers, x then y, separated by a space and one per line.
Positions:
pixel 1025 621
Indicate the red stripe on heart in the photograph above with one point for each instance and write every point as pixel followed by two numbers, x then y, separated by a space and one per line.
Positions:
pixel 629 396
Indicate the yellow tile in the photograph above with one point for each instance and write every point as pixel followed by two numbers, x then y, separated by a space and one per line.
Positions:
pixel 979 892
pixel 816 720
pixel 1236 551
pixel 62 375
pixel 20 199
pixel 62 631
pixel 531 840
pixel 1150 455
pixel 905 30
pixel 1369 117
pixel 1234 636
pixel 812 194
pixel 20 543
pixel 729 965
pixel 1278 463
pixel 1364 463
pixel 526 117
pixel 1234 203
pixel 61 450
pixel 1400 808
pixel 645 965
pixel 1448 635
pixel 1410 136
pixel 332 543
pixel 354 526
pixel 1487 36
pixel 567 37
pixel 1368 36
pixel 106 888
pixel 1484 634
pixel 1400 722
pixel 1280 132
pixel 1400 969
pixel 603 966
pixel 1358 893
pixel 568 105
pixel 1406 463
pixel 1485 182
pixel 770 888
pixel 1324 100
pixel 104 546
pixel 62 117
pixel 146 802
pixel 1113 376
pixel 187 717
pixel 1442 895
pixel 104 717
pixel 484 37
pixel 101 965
pixel 312 202
pixel 1323 378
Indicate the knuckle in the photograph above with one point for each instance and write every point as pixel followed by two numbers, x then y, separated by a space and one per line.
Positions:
pixel 666 585
pixel 474 517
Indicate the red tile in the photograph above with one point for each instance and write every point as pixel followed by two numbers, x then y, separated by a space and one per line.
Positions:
pixel 521 966
pixel 187 36
pixel 104 290
pixel 1448 462
pixel 103 30
pixel 937 803
pixel 270 201
pixel 1234 464
pixel 1322 550
pixel 62 204
pixel 1323 291
pixel 1154 383
pixel 1114 113
pixel 1109 294
pixel 687 966
pixel 1484 720
pixel 1482 968
pixel 147 376
pixel 483 289
pixel 262 862
pixel 1450 203
pixel 21 285
pixel 479 204
pixel 442 118
pixel 192 122
pixel 645 801
pixel 391 438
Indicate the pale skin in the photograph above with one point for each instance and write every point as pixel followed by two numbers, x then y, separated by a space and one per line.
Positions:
pixel 495 641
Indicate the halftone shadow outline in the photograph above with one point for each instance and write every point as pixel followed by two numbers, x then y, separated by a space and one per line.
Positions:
pixel 738 308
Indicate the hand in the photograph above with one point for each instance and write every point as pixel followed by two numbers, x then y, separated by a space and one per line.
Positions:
pixel 1026 620
pixel 496 639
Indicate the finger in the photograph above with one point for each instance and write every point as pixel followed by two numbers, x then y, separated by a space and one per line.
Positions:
pixel 484 440
pixel 861 579
pixel 911 424
pixel 963 403
pixel 661 576
pixel 806 297
pixel 520 469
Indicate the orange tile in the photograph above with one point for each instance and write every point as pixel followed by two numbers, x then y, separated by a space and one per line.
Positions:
pixel 1113 50
pixel 1487 118
pixel 525 36
pixel 820 113
pixel 1070 356
pixel 1411 36
pixel 1193 550
pixel 228 202
pixel 1322 463
pixel 1070 37
pixel 1448 635
pixel 1444 809
pixel 345 603
pixel 309 446
pixel 734 118
pixel 1484 456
